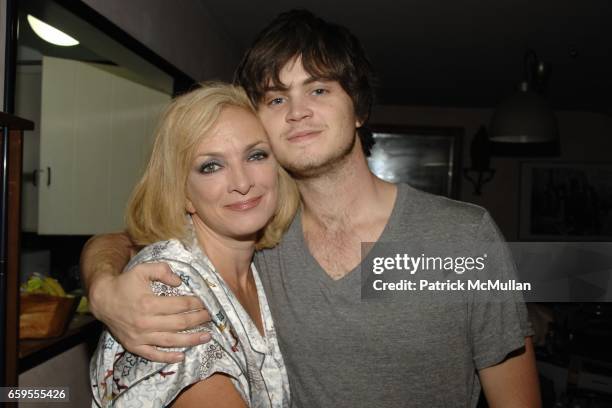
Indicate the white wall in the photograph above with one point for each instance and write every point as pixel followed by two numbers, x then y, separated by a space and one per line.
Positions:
pixel 183 33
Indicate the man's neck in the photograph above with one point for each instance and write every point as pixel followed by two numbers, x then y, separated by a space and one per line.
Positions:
pixel 345 207
pixel 345 196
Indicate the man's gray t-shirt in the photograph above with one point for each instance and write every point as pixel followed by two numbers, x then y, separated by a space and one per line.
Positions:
pixel 341 351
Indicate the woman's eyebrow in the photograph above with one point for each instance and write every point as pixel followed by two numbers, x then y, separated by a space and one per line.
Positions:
pixel 220 154
pixel 252 145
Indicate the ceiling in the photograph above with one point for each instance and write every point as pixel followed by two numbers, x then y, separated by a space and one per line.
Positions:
pixel 95 46
pixel 460 53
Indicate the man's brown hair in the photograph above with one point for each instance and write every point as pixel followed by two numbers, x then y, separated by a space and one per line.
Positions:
pixel 328 51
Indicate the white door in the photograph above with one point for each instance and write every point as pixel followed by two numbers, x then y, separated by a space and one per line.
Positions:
pixel 96 129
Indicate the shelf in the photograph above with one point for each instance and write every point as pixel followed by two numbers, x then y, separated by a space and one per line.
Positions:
pixel 82 328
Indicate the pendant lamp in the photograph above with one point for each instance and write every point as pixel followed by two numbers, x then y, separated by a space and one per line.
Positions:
pixel 524 123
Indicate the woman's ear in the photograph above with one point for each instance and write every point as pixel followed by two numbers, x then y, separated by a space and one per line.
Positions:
pixel 189 207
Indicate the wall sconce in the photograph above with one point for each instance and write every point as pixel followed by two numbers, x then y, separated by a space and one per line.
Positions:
pixel 524 123
pixel 480 155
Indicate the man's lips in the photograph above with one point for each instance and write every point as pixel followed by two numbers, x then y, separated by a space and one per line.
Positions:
pixel 244 205
pixel 302 135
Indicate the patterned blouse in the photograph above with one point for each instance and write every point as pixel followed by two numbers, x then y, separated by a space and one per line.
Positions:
pixel 253 362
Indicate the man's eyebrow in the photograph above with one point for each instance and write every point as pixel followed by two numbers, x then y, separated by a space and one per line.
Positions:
pixel 307 81
pixel 275 88
pixel 313 79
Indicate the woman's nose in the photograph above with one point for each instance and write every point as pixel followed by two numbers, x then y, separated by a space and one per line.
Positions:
pixel 241 180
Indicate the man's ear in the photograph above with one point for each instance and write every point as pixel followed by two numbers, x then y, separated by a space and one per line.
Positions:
pixel 358 123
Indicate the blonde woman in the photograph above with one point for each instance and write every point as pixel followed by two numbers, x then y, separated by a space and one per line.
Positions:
pixel 212 193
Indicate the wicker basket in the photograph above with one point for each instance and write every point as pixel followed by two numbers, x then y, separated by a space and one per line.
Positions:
pixel 42 316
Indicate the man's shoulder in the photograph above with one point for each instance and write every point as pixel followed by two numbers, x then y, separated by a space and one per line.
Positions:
pixel 292 242
pixel 418 203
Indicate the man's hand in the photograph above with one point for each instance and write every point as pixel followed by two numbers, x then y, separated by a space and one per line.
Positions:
pixel 140 320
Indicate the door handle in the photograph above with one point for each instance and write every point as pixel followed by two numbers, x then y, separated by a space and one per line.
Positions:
pixel 32 177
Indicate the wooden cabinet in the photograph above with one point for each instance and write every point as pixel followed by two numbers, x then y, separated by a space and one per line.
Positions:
pixel 11 141
pixel 96 128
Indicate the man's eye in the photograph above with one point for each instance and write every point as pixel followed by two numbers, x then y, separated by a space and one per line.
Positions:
pixel 209 167
pixel 319 91
pixel 259 155
pixel 275 101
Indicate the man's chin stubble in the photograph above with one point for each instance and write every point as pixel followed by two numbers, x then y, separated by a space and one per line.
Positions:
pixel 326 168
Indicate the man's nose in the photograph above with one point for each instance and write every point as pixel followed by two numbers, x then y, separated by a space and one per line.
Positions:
pixel 298 110
pixel 241 180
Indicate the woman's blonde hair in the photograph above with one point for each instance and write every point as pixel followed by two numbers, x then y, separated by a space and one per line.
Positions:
pixel 156 209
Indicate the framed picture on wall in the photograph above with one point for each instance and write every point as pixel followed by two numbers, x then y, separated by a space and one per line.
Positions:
pixel 563 201
pixel 426 157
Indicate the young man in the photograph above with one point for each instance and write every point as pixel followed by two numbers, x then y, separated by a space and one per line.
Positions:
pixel 311 83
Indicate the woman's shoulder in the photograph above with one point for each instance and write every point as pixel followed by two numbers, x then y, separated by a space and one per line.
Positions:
pixel 187 261
pixel 163 251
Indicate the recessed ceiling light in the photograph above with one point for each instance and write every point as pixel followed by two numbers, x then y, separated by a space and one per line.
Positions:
pixel 50 33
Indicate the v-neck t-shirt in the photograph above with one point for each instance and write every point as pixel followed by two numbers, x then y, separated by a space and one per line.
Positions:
pixel 341 351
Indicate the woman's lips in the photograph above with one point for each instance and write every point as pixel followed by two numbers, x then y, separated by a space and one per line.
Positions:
pixel 244 205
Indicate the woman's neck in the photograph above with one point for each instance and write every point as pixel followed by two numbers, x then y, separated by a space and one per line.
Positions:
pixel 230 257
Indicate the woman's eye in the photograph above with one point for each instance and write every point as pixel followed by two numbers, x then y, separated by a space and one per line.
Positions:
pixel 209 167
pixel 256 156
